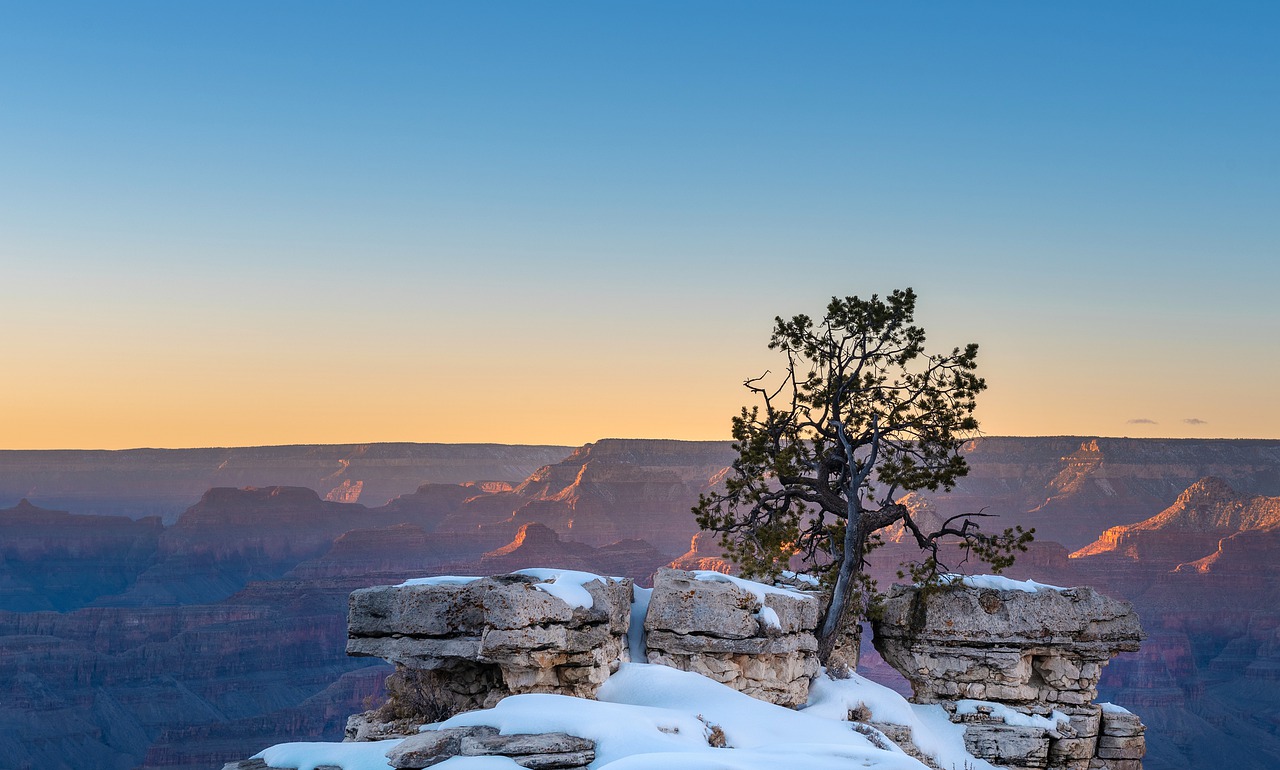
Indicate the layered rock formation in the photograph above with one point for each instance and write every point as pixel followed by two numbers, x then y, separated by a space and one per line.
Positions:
pixel 484 639
pixel 1070 488
pixel 759 641
pixel 1019 666
pixel 164 482
pixel 606 489
pixel 55 560
pixel 704 553
pixel 1206 512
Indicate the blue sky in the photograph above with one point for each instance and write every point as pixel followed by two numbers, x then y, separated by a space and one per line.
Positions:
pixel 241 223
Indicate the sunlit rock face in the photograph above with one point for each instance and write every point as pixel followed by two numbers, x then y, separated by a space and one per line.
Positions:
pixel 1072 488
pixel 704 553
pixel 1191 528
pixel 615 489
pixel 992 655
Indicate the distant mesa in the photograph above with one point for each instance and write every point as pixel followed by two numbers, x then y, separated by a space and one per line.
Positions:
pixel 704 553
pixel 1205 513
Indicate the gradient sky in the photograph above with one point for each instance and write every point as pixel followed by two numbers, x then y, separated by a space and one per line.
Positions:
pixel 295 222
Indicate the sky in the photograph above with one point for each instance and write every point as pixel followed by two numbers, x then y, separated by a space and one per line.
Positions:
pixel 244 223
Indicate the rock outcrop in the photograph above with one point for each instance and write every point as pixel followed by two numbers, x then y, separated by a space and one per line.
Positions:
pixel 474 641
pixel 1019 665
pixel 538 751
pixel 164 482
pixel 704 553
pixel 1206 512
pixel 759 641
pixel 603 489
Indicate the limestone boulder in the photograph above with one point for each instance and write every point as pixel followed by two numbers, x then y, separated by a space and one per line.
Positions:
pixel 1013 646
pixel 756 639
pixel 473 642
pixel 1033 657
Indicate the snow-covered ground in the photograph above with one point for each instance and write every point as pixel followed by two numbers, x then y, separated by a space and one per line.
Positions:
pixel 651 717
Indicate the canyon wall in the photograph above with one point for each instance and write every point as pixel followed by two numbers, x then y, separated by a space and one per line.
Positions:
pixel 127 643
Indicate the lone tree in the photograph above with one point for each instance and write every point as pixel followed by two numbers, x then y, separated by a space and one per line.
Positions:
pixel 861 416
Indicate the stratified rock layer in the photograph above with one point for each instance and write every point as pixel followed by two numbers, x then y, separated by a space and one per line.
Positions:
pixel 763 646
pixel 982 651
pixel 491 637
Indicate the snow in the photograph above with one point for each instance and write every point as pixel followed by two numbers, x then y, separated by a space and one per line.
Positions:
pixel 759 590
pixel 801 578
pixel 931 727
pixel 440 580
pixel 564 584
pixel 635 632
pixel 651 717
pixel 370 755
pixel 1111 708
pixel 1013 717
pixel 999 583
pixel 769 617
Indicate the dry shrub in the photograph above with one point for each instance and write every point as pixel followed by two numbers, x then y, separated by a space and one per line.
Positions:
pixel 415 695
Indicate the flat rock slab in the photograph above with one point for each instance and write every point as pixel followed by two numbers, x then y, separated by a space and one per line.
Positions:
pixel 531 743
pixel 965 616
pixel 1008 745
pixel 538 751
pixel 425 749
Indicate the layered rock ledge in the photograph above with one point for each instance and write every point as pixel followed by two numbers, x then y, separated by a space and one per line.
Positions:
pixel 756 639
pixel 1018 664
pixel 474 641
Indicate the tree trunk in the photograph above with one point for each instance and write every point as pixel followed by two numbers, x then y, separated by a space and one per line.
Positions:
pixel 846 645
pixel 838 638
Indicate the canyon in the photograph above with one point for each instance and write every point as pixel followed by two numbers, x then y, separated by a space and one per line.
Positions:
pixel 173 608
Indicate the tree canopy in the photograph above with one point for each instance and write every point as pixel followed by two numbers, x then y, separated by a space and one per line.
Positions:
pixel 860 416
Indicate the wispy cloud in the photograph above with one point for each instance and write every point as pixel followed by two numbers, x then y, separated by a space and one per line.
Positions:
pixel 1142 421
pixel 1195 421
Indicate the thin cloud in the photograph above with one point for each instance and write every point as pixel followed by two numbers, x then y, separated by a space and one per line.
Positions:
pixel 1142 421
pixel 1195 421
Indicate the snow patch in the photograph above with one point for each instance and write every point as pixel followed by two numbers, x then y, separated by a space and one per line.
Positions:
pixel 765 615
pixel 1012 716
pixel 564 584
pixel 757 590
pixel 1111 708
pixel 440 580
pixel 998 583
pixel 635 632
pixel 801 578
pixel 371 755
